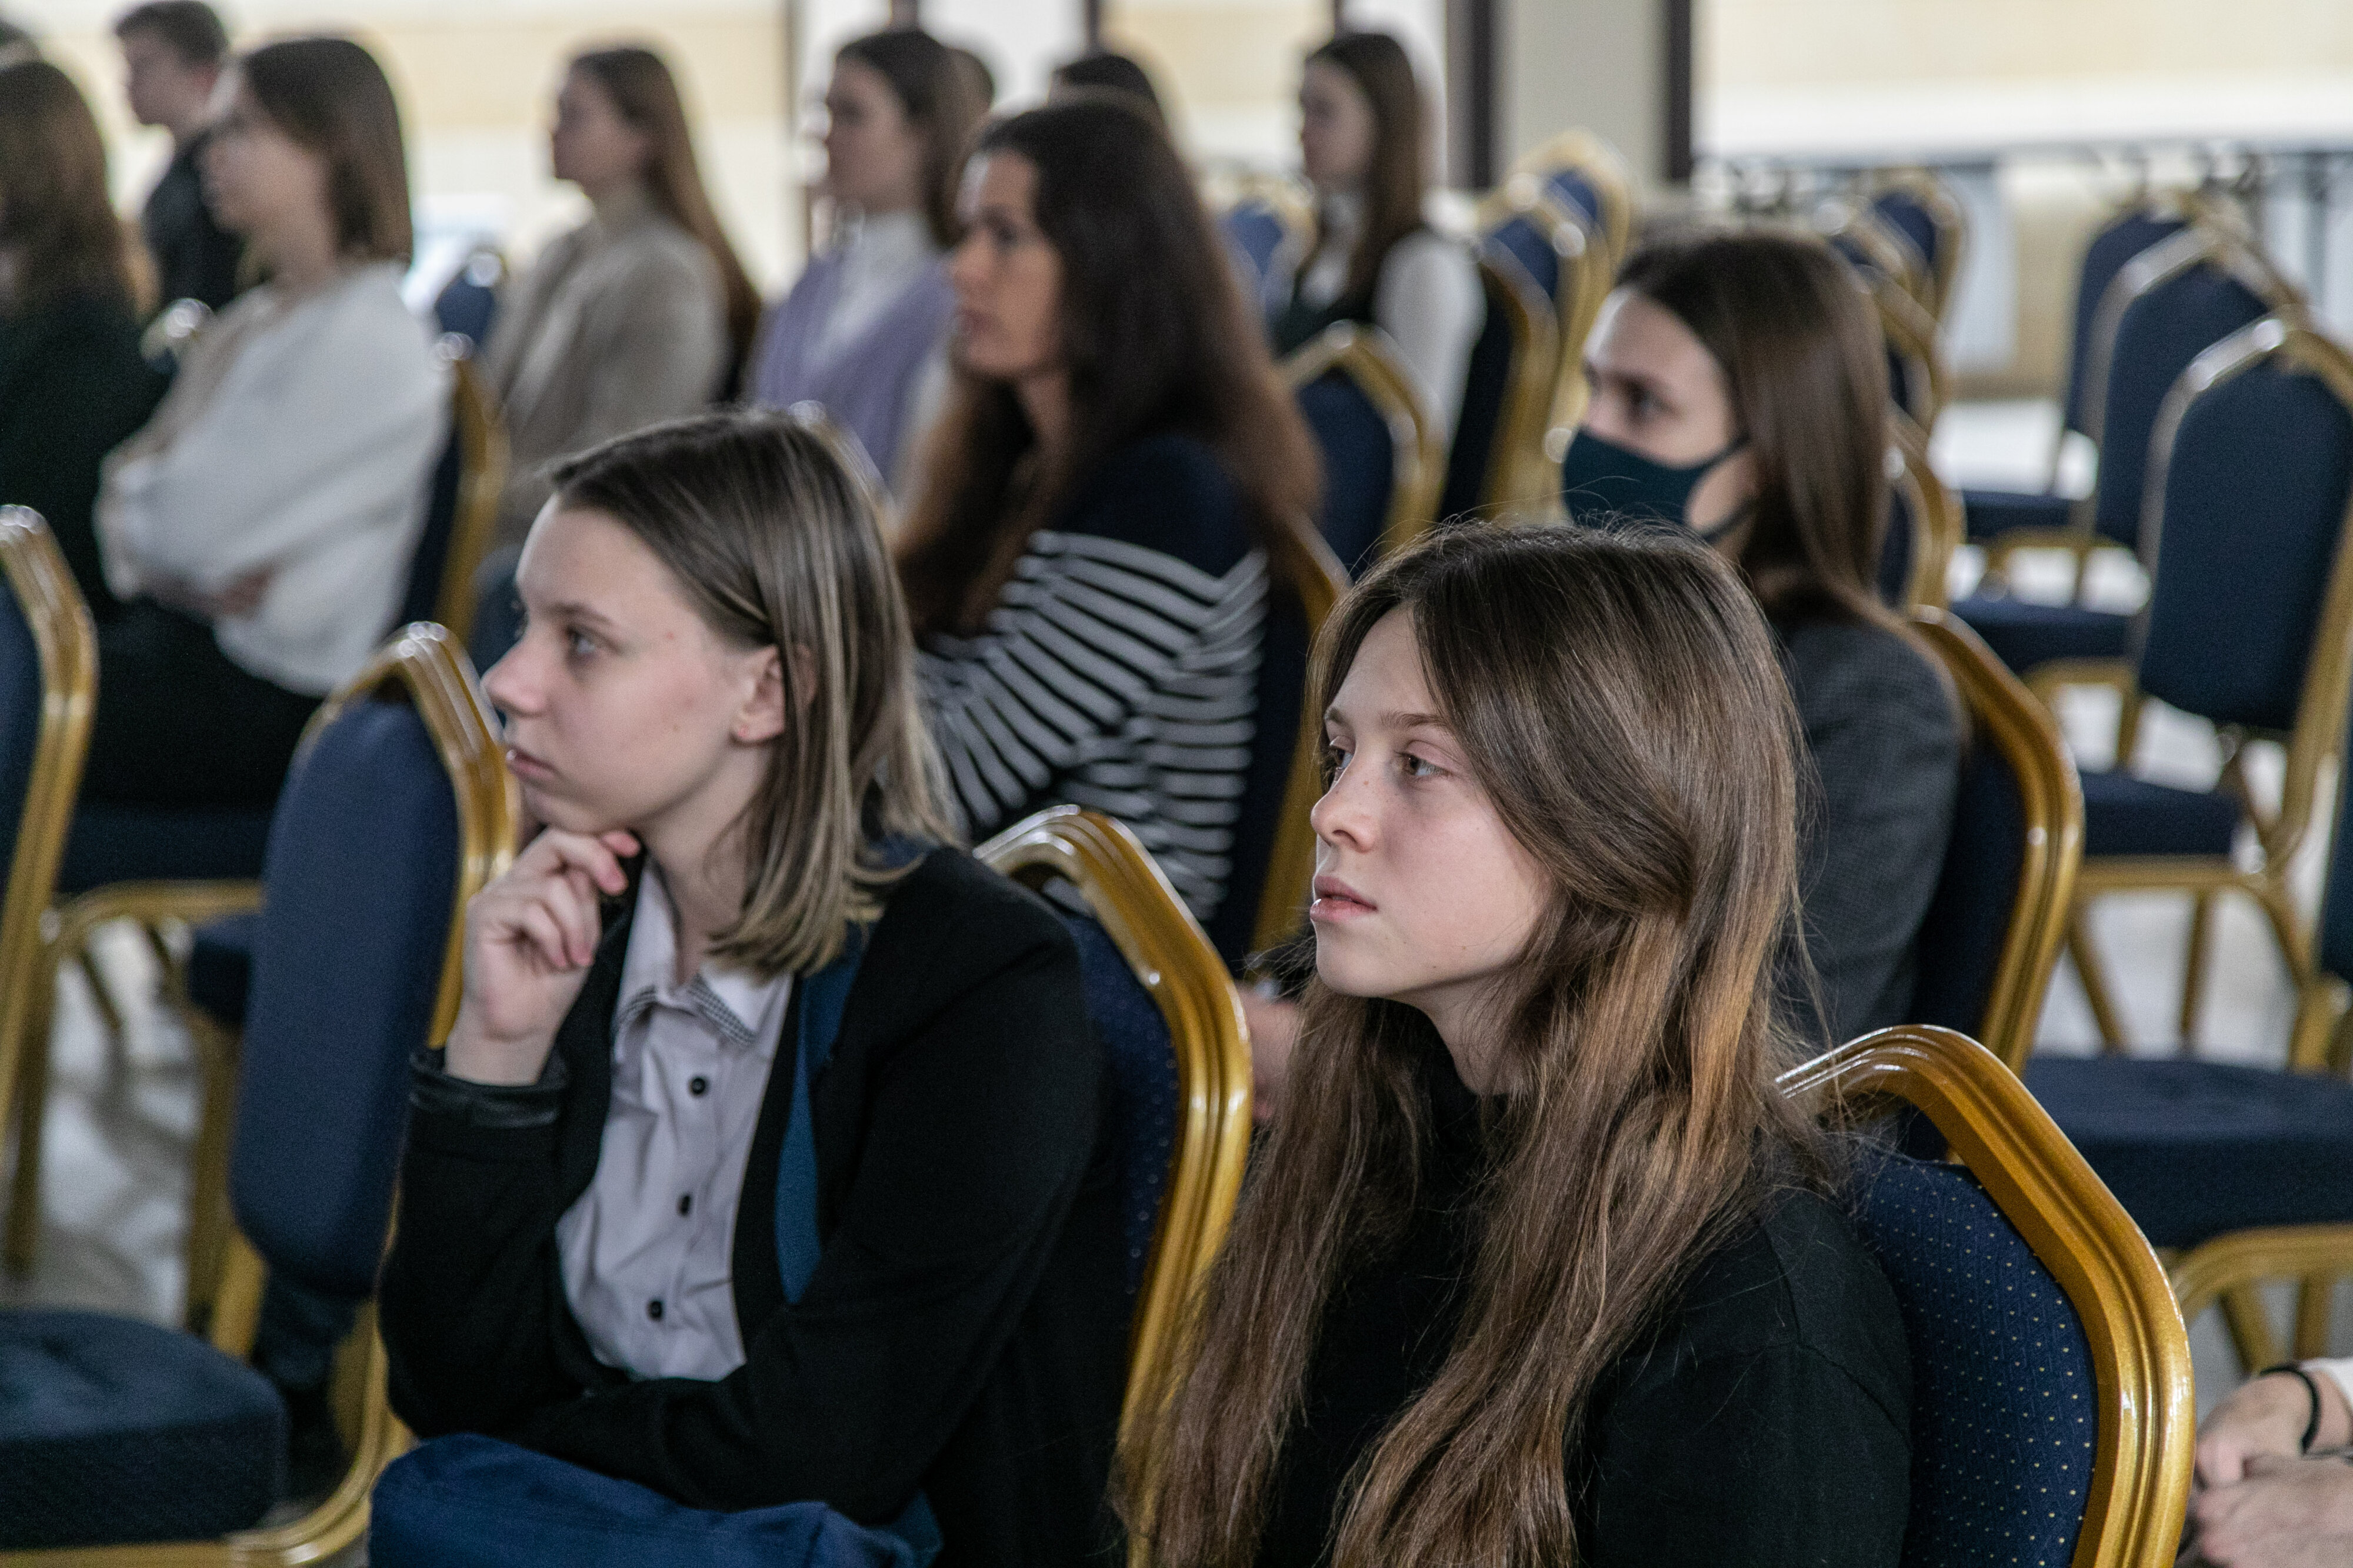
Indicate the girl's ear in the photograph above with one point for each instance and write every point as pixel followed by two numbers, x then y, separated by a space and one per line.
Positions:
pixel 761 719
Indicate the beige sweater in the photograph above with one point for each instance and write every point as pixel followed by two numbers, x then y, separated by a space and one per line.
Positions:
pixel 618 324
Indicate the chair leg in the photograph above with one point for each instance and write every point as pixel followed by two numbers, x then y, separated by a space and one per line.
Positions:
pixel 2193 965
pixel 2251 1329
pixel 22 1235
pixel 2089 970
pixel 2311 1304
pixel 208 1211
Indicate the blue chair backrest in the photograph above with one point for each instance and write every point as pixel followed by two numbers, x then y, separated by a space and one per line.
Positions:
pixel 467 305
pixel 1523 242
pixel 1905 214
pixel 1359 467
pixel 1283 650
pixel 1143 1080
pixel 22 694
pixel 2110 250
pixel 1569 186
pixel 358 890
pixel 1968 919
pixel 1487 383
pixel 2004 1411
pixel 2161 333
pixel 1254 232
pixel 421 600
pixel 2255 496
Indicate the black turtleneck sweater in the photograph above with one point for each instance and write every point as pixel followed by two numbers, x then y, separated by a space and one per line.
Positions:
pixel 1765 1420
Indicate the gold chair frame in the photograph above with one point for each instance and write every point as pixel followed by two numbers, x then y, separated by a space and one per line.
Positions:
pixel 425 663
pixel 2140 1352
pixel 1936 511
pixel 2005 715
pixel 2316 741
pixel 67 645
pixel 1303 563
pixel 1582 281
pixel 1935 274
pixel 482 461
pixel 1520 474
pixel 1604 167
pixel 1369 359
pixel 1172 957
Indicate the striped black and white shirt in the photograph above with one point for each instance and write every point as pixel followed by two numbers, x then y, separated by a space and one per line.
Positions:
pixel 1119 668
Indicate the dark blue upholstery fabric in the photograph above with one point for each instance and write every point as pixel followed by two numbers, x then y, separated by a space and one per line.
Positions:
pixel 2110 250
pixel 1281 696
pixel 1359 467
pixel 359 885
pixel 421 600
pixel 1144 1077
pixel 1903 213
pixel 221 966
pixel 2161 332
pixel 21 694
pixel 2129 815
pixel 1486 381
pixel 2254 505
pixel 1574 191
pixel 1967 919
pixel 2193 1149
pixel 1989 514
pixel 1253 233
pixel 2004 1407
pixel 1531 249
pixel 132 843
pixel 2023 635
pixel 1896 553
pixel 466 306
pixel 113 1431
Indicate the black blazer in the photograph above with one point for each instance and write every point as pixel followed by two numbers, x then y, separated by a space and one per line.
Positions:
pixel 965 1331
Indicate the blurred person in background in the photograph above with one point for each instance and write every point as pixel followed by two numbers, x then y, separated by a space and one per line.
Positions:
pixel 1106 71
pixel 1372 256
pixel 260 527
pixel 73 385
pixel 16 44
pixel 864 331
pixel 644 312
pixel 173 55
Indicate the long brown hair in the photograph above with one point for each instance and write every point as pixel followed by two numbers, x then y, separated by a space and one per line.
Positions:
pixel 329 96
pixel 643 90
pixel 1398 180
pixel 773 538
pixel 940 97
pixel 1802 356
pixel 1154 336
pixel 1618 699
pixel 55 214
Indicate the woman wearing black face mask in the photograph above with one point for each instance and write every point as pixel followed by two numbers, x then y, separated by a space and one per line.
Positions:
pixel 1739 388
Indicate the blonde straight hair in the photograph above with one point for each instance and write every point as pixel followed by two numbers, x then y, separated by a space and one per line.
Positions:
pixel 774 540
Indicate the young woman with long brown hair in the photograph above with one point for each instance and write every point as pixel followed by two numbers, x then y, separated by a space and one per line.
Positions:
pixel 1740 389
pixel 864 332
pixel 642 314
pixel 1550 1274
pixel 1373 256
pixel 1086 555
pixel 73 385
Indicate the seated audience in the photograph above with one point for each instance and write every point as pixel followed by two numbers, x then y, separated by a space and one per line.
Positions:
pixel 260 526
pixel 73 385
pixel 864 332
pixel 1373 255
pixel 640 1231
pixel 2274 1489
pixel 1106 71
pixel 173 55
pixel 1739 388
pixel 640 314
pixel 1554 1274
pixel 1086 558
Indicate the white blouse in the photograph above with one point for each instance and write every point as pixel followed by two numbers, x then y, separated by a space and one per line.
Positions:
pixel 298 437
pixel 1427 300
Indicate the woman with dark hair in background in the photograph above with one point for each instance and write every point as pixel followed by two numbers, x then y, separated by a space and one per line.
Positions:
pixel 640 314
pixel 1086 556
pixel 863 332
pixel 1106 71
pixel 260 526
pixel 1545 1268
pixel 73 385
pixel 1373 256
pixel 1739 388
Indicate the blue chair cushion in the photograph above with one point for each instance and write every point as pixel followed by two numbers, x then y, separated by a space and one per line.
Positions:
pixel 2193 1149
pixel 421 599
pixel 137 843
pixel 2023 635
pixel 2129 815
pixel 2004 1408
pixel 221 965
pixel 1143 1079
pixel 113 1431
pixel 1989 514
pixel 1959 946
pixel 1359 467
pixel 1486 381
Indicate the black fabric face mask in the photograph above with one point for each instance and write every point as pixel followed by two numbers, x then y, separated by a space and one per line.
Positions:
pixel 1599 477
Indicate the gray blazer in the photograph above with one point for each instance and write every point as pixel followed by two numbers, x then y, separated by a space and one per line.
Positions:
pixel 618 324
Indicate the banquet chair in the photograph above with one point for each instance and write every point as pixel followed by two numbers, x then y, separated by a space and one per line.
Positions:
pixel 1172 1021
pixel 2052 1414
pixel 1383 457
pixel 1570 265
pixel 1915 207
pixel 1265 224
pixel 1923 523
pixel 1587 177
pixel 139 1446
pixel 1496 461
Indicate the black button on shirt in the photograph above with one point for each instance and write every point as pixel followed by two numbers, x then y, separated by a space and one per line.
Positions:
pixel 698 1085
pixel 654 1310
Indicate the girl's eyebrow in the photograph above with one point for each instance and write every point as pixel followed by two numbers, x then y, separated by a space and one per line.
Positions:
pixel 1415 721
pixel 572 610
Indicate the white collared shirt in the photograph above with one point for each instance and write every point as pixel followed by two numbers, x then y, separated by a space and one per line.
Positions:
pixel 648 1249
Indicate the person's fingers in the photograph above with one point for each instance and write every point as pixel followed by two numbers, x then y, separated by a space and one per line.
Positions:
pixel 621 841
pixel 579 851
pixel 2221 1459
pixel 535 928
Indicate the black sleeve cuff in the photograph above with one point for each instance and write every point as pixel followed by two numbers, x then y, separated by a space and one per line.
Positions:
pixel 499 1106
